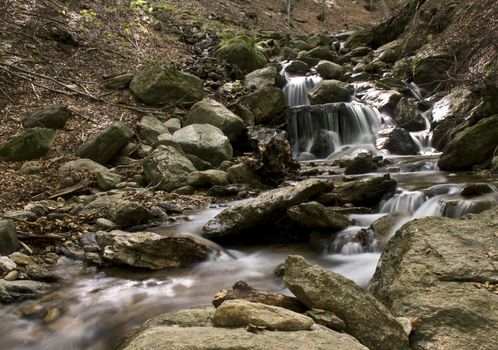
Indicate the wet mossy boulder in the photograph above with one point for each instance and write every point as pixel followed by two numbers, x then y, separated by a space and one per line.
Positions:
pixel 330 91
pixel 240 51
pixel 472 146
pixel 31 144
pixel 104 145
pixel 160 84
pixel 51 117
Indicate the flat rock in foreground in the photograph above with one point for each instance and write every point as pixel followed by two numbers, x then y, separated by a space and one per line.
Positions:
pixel 444 272
pixel 365 317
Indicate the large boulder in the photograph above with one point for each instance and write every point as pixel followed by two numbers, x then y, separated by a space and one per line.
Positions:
pixel 268 76
pixel 430 69
pixel 319 288
pixel 129 213
pixel 167 168
pixel 151 250
pixel 262 106
pixel 242 313
pixel 204 141
pixel 51 117
pixel 330 70
pixel 105 144
pixel 161 84
pixel 329 91
pixel 31 144
pixel 366 192
pixel 240 51
pixel 241 174
pixel 456 104
pixel 317 216
pixel 397 141
pixel 8 238
pixel 267 207
pixel 209 111
pixel 442 271
pixel 472 146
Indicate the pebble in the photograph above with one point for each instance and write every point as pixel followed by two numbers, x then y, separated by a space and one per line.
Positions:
pixel 52 315
pixel 105 223
pixel 21 259
pixel 7 264
pixel 11 276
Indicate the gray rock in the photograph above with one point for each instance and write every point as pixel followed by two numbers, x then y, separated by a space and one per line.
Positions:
pixel 330 70
pixel 366 192
pixel 297 67
pixel 241 174
pixel 456 104
pixel 161 84
pixel 41 274
pixel 8 238
pixel 268 76
pixel 477 189
pixel 431 68
pixel 199 163
pixel 83 165
pixel 204 141
pixel 31 144
pixel 208 338
pixel 105 144
pixel 164 166
pixel 262 106
pixel 384 100
pixel 209 111
pixel 129 214
pixel 327 319
pixel 25 215
pixel 118 82
pixel 319 288
pixel 105 223
pixel 361 164
pixel 441 270
pixel 149 128
pixel 397 141
pixel 267 207
pixel 329 91
pixel 173 124
pixel 185 190
pixel 7 265
pixel 51 117
pixel 316 215
pixel 13 291
pixel 242 313
pixel 21 259
pixel 407 116
pixel 323 53
pixel 208 178
pixel 151 250
pixel 107 181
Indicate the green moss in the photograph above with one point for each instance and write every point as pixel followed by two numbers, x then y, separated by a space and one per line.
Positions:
pixel 240 51
pixel 33 143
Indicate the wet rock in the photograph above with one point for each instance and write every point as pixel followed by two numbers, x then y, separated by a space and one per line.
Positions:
pixel 384 100
pixel 204 141
pixel 41 274
pixel 430 69
pixel 161 84
pixel 204 338
pixel 477 189
pixel 245 218
pixel 258 135
pixel 316 215
pixel 105 144
pixel 118 82
pixel 397 141
pixel 51 117
pixel 31 144
pixel 463 151
pixel 366 192
pixel 52 315
pixel 229 190
pixel 149 129
pixel 440 271
pixel 240 51
pixel 319 288
pixel 130 214
pixel 305 57
pixel 327 319
pixel 407 116
pixel 151 250
pixel 456 104
pixel 268 76
pixel 262 106
pixel 242 313
pixel 330 70
pixel 297 67
pixel 208 178
pixel 361 164
pixel 385 227
pixel 323 143
pixel 329 91
pixel 455 208
pixel 8 237
pixel 165 167
pixel 209 111
pixel 32 310
pixel 13 291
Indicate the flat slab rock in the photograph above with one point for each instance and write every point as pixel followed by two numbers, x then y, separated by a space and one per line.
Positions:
pixel 208 338
pixel 443 271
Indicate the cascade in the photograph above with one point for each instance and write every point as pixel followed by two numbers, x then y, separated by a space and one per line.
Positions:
pixel 407 201
pixel 319 130
pixel 296 90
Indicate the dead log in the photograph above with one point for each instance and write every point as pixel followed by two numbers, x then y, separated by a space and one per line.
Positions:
pixel 241 290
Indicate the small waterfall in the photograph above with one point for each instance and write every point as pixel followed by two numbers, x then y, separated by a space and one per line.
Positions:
pixel 406 201
pixel 296 90
pixel 443 205
pixel 317 131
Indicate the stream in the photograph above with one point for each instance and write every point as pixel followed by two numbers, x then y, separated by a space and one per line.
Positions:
pixel 99 305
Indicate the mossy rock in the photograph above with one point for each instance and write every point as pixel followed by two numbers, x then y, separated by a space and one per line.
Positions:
pixel 241 52
pixel 430 70
pixel 52 117
pixel 162 84
pixel 262 106
pixel 31 144
pixel 472 146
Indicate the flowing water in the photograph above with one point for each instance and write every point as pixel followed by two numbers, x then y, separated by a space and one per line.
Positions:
pixel 99 305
